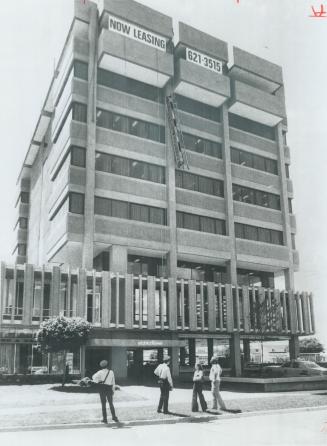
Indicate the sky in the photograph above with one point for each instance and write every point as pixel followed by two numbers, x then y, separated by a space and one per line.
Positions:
pixel 33 32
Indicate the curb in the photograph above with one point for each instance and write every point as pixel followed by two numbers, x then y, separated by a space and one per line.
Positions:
pixel 176 420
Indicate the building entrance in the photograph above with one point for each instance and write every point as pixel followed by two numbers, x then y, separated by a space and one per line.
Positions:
pixel 141 364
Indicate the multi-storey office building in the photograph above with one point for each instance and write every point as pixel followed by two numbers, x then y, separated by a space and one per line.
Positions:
pixel 101 191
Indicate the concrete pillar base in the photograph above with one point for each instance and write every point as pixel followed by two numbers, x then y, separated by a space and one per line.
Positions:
pixel 294 347
pixel 235 354
pixel 210 349
pixel 246 351
pixel 174 361
pixel 118 259
pixel 191 350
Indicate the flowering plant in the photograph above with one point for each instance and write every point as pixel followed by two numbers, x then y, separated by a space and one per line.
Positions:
pixel 62 334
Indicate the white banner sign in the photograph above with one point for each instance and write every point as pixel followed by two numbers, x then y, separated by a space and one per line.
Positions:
pixel 134 32
pixel 204 61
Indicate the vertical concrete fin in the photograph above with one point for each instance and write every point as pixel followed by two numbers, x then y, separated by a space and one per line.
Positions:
pixel 151 303
pixel 172 303
pixel 212 310
pixel 192 304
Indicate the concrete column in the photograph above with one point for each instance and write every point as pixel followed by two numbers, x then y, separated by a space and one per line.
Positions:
pixel 289 273
pixel 118 259
pixel 228 191
pixel 246 351
pixel 171 196
pixel 294 347
pixel 192 352
pixel 235 354
pixel 119 362
pixel 82 361
pixel 88 238
pixel 182 355
pixel 160 355
pixel 174 361
pixel 28 294
pixel 210 349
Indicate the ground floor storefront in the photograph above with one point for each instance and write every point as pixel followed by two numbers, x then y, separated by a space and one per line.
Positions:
pixel 132 354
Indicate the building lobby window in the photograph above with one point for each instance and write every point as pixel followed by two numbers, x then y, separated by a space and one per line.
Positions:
pixel 146 266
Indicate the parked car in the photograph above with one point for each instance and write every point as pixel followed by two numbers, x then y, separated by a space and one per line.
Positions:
pixel 295 368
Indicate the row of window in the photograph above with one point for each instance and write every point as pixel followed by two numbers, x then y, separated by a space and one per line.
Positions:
pixel 198 183
pixel 255 161
pixel 130 86
pixel 200 223
pixel 155 215
pixel 130 211
pixel 247 125
pixel 132 126
pixel 258 234
pixel 129 168
pixel 201 145
pixel 257 197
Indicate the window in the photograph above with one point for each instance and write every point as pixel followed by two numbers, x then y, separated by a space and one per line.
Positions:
pixel 200 223
pixel 130 86
pixel 198 108
pixel 247 125
pixel 293 241
pixel 257 197
pixel 258 234
pixel 23 223
pixel 287 170
pixel 133 126
pixel 130 168
pixel 201 145
pixel 24 197
pixel 21 249
pixel 198 183
pixel 79 112
pixel 77 156
pixel 131 211
pixel 254 161
pixel 76 203
pixel 81 70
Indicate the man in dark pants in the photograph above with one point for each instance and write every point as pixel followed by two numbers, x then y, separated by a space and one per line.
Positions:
pixel 105 379
pixel 165 383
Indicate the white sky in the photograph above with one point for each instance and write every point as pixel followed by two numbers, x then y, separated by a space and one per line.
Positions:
pixel 33 32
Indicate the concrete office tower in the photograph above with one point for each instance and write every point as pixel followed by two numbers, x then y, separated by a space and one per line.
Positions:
pixel 100 188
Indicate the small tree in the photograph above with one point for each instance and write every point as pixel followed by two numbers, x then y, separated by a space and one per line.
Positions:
pixel 311 345
pixel 62 334
pixel 268 319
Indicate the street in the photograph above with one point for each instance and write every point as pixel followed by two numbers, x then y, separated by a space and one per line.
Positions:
pixel 283 429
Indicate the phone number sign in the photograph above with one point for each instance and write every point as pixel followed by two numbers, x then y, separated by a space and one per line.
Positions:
pixel 204 61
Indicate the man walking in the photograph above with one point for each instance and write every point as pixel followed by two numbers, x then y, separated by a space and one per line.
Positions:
pixel 105 379
pixel 165 383
pixel 214 376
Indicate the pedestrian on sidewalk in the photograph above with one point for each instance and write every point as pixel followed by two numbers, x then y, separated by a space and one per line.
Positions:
pixel 214 376
pixel 197 389
pixel 105 380
pixel 165 383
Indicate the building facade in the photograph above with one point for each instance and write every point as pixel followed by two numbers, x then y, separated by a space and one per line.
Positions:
pixel 107 204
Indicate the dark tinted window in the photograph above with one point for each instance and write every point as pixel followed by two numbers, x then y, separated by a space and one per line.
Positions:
pixel 257 197
pixel 206 185
pixel 198 108
pixel 130 86
pixel 258 234
pixel 201 145
pixel 200 223
pixel 128 167
pixel 77 156
pixel 81 70
pixel 133 126
pixel 252 127
pixel 76 203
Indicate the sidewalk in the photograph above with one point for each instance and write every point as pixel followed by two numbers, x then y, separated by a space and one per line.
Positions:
pixel 41 405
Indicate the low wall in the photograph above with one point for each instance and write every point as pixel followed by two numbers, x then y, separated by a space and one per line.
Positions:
pixel 274 384
pixel 33 379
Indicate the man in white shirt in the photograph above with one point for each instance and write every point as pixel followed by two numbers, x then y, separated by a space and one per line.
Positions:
pixel 166 384
pixel 106 380
pixel 214 377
